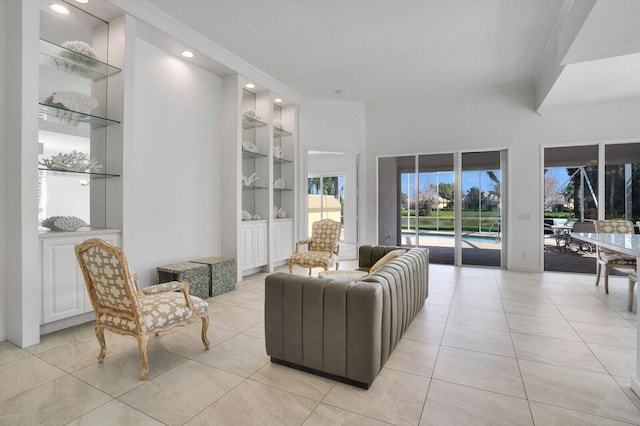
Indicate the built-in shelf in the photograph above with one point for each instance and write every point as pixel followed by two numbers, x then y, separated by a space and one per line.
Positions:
pixel 251 154
pixel 250 123
pixel 74 172
pixel 60 114
pixel 277 132
pixel 281 160
pixel 73 62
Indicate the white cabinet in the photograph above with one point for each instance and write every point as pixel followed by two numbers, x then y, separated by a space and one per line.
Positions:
pixel 64 292
pixel 283 239
pixel 254 247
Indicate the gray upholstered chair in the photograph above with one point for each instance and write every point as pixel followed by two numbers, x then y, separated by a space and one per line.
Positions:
pixel 120 308
pixel 323 247
pixel 606 258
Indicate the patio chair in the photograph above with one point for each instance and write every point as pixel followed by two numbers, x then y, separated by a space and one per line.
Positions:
pixel 323 247
pixel 582 227
pixel 608 258
pixel 120 308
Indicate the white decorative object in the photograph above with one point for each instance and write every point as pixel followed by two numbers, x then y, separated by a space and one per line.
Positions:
pixel 74 161
pixel 86 53
pixel 252 114
pixel 246 215
pixel 279 183
pixel 249 146
pixel 277 124
pixel 277 152
pixel 279 213
pixel 256 217
pixel 73 100
pixel 247 181
pixel 63 223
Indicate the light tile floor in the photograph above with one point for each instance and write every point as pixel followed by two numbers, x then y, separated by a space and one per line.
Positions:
pixel 489 347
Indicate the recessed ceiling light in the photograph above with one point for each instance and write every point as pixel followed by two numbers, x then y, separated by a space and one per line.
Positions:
pixel 58 8
pixel 187 54
pixel 82 1
pixel 250 86
pixel 277 100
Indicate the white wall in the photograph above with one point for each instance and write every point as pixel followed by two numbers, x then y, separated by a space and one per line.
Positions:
pixel 172 208
pixel 329 126
pixel 501 118
pixel 3 177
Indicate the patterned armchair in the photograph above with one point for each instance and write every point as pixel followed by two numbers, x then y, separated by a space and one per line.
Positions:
pixel 608 258
pixel 120 308
pixel 322 247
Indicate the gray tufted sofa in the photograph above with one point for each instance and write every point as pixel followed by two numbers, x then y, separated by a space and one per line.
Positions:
pixel 341 329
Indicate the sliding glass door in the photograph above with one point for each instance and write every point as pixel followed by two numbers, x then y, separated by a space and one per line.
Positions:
pixel 481 208
pixel 428 210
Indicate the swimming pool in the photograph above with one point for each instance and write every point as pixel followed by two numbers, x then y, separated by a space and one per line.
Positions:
pixel 465 237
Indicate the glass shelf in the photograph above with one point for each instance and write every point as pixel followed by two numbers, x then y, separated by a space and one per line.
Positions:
pixel 73 62
pixel 251 123
pixel 67 116
pixel 281 160
pixel 73 172
pixel 251 154
pixel 282 189
pixel 254 187
pixel 277 132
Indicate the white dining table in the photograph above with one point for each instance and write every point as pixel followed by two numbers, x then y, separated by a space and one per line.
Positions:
pixel 626 244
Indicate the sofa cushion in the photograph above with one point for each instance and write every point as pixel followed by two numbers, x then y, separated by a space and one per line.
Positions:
pixel 387 257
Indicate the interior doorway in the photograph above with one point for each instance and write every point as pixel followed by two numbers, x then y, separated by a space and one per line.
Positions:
pixel 332 193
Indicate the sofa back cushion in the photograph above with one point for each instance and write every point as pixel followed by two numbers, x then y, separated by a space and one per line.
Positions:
pixel 386 258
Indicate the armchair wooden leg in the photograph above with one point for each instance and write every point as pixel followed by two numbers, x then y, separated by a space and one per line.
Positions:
pixel 309 271
pixel 205 327
pixel 598 270
pixel 291 268
pixel 337 265
pixel 606 279
pixel 103 344
pixel 144 360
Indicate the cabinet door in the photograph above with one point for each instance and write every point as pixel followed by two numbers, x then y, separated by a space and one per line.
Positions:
pixel 63 288
pixel 283 239
pixel 248 256
pixel 260 243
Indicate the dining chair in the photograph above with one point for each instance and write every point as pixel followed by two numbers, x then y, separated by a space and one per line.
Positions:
pixel 606 258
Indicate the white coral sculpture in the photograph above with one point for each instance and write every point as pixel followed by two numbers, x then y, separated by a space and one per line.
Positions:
pixel 277 152
pixel 279 213
pixel 247 181
pixel 256 217
pixel 63 223
pixel 84 49
pixel 249 146
pixel 74 161
pixel 73 100
pixel 246 215
pixel 279 183
pixel 252 115
pixel 277 124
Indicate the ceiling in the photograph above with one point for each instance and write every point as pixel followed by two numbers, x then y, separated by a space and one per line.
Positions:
pixel 369 50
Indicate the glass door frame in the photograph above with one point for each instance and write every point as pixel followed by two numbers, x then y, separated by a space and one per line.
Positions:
pixel 457 172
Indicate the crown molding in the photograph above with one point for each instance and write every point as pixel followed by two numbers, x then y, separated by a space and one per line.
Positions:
pixel 144 10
